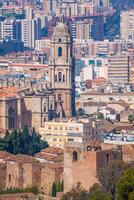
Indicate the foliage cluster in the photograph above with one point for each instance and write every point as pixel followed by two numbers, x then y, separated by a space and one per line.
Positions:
pixel 32 189
pixel 57 187
pixel 22 142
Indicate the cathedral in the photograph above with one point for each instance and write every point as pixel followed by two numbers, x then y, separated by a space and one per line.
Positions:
pixel 61 74
pixel 34 107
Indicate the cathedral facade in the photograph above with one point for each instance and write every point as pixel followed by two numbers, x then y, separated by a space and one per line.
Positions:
pixel 40 104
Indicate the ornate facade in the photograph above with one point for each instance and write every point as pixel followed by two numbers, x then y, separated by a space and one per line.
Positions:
pixel 61 72
pixel 33 105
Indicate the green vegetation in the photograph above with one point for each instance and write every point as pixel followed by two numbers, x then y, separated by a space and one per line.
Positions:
pixel 57 187
pixel 77 193
pixel 32 189
pixel 109 176
pixel 131 118
pixel 97 192
pixel 125 186
pixel 21 142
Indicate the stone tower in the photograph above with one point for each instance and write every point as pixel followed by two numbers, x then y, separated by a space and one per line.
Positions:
pixel 61 70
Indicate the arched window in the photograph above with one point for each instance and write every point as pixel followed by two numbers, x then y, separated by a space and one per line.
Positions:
pixel 59 51
pixel 55 78
pixel 75 156
pixel 59 97
pixel 51 105
pixel 59 40
pixel 11 118
pixel 108 158
pixel 63 78
pixel 9 177
pixel 59 76
pixel 45 108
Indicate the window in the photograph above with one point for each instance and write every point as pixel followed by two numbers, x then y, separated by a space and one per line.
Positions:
pixel 59 76
pixel 51 106
pixel 59 97
pixel 63 78
pixel 9 177
pixel 59 40
pixel 55 78
pixel 75 156
pixel 108 158
pixel 11 120
pixel 59 51
pixel 45 108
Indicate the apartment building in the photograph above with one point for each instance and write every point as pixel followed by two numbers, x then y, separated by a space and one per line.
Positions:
pixel 118 70
pixel 127 25
pixel 31 31
pixel 57 133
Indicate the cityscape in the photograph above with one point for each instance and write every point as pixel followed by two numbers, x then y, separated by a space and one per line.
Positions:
pixel 66 100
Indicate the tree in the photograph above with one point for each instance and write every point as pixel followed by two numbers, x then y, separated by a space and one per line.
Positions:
pixel 77 193
pixel 131 118
pixel 96 192
pixel 21 142
pixel 109 176
pixel 57 187
pixel 131 196
pixel 53 190
pixel 125 185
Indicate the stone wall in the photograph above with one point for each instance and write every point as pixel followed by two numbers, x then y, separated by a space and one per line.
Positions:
pixel 87 162
pixel 2 175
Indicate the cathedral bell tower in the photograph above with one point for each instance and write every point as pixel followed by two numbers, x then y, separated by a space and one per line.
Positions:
pixel 61 70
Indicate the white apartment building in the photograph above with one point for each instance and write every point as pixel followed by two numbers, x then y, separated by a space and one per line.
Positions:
pixel 31 31
pixel 127 25
pixel 7 29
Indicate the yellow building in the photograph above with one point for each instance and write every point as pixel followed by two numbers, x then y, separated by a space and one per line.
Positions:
pixel 57 133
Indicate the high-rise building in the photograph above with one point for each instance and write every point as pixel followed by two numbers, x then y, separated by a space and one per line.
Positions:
pixel 51 7
pixel 70 8
pixel 62 71
pixel 7 29
pixel 31 31
pixel 83 29
pixel 118 70
pixel 28 13
pixel 127 25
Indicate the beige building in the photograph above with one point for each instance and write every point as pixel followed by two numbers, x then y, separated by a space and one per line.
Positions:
pixel 70 8
pixel 118 70
pixel 57 133
pixel 30 110
pixel 83 30
pixel 127 25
